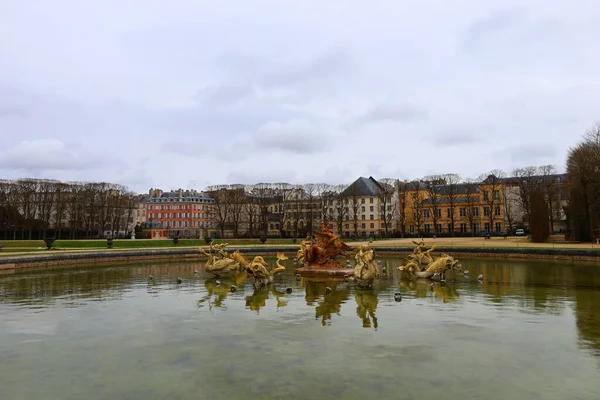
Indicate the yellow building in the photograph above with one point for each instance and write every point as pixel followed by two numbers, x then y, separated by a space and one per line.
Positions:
pixel 428 208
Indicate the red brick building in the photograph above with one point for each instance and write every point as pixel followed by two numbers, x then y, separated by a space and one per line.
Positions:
pixel 183 214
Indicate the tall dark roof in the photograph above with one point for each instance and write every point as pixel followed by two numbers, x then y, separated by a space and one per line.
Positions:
pixel 362 187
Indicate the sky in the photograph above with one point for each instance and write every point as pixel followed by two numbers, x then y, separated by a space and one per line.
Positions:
pixel 191 93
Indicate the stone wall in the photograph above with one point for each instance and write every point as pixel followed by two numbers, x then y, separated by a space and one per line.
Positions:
pixel 10 265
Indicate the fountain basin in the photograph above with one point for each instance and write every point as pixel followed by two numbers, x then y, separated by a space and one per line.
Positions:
pixel 325 272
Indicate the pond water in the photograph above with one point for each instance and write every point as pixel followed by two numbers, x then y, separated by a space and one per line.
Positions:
pixel 529 330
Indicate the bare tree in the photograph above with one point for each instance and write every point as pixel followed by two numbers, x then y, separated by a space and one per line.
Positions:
pixel 402 189
pixel 263 195
pixel 452 195
pixel 340 206
pixel 510 201
pixel 61 196
pixel 434 187
pixel 472 203
pixel 326 198
pixel 583 170
pixel 417 204
pixel 351 194
pixel 221 205
pixel 550 191
pixel 527 181
pixel 250 211
pixel 237 200
pixel 493 181
pixel 311 193
pixel 386 188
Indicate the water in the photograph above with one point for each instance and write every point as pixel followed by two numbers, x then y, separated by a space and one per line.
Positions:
pixel 530 330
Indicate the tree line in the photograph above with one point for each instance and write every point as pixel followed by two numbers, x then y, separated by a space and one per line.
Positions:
pixel 583 170
pixel 294 210
pixel 249 210
pixel 38 208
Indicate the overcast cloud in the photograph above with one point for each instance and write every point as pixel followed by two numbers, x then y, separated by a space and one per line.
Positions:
pixel 188 93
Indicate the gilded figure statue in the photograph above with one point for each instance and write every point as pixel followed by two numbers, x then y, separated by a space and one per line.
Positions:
pixel 365 269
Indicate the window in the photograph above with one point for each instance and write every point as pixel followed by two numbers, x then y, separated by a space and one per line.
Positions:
pixel 363 217
pixel 496 195
pixel 371 208
pixel 362 201
pixel 463 228
pixel 486 226
pixel 363 226
pixel 462 212
pixel 438 212
pixel 362 209
pixel 371 200
pixel 426 213
pixel 372 225
pixel 427 228
pixel 486 195
pixel 411 229
pixel 486 211
pixel 498 227
pixel 371 217
pixel 475 211
pixel 389 208
pixel 438 228
pixel 497 210
pixel 449 212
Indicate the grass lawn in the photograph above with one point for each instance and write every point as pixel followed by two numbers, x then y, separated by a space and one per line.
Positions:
pixel 512 242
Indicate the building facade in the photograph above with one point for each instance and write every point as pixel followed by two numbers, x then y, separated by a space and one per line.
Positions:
pixel 179 213
pixel 430 208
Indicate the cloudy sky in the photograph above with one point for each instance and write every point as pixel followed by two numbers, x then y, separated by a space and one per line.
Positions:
pixel 188 93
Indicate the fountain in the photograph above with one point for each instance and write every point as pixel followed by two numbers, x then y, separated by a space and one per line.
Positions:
pixel 221 263
pixel 421 264
pixel 365 269
pixel 319 256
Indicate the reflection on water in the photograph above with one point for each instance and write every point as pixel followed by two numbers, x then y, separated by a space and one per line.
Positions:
pixel 529 329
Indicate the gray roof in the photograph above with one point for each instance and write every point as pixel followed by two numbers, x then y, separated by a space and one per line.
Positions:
pixel 186 196
pixel 557 178
pixel 362 187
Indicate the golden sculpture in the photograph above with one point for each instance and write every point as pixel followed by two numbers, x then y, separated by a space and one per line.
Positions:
pixel 220 263
pixel 259 270
pixel 365 270
pixel 323 252
pixel 422 265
